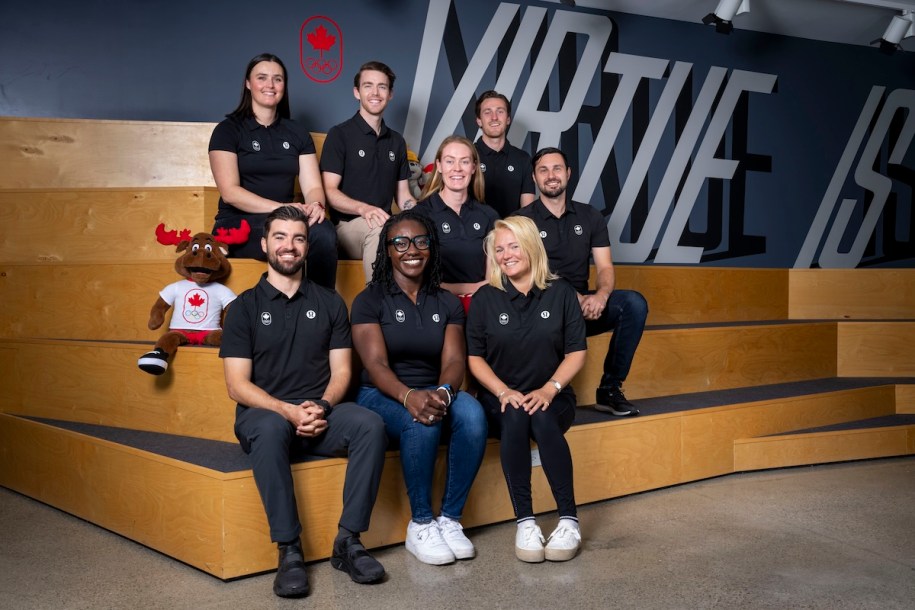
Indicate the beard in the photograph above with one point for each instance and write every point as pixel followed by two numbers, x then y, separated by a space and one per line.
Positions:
pixel 283 268
pixel 553 193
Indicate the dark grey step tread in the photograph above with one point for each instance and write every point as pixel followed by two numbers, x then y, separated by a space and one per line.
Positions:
pixel 886 421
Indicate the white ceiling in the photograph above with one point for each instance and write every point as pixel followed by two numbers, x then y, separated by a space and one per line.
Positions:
pixel 847 21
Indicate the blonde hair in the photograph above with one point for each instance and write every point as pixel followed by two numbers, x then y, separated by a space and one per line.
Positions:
pixel 436 183
pixel 528 237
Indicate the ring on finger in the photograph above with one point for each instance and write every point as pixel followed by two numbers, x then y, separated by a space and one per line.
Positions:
pixel 431 418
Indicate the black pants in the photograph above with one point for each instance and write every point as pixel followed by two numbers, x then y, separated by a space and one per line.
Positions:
pixel 270 440
pixel 547 428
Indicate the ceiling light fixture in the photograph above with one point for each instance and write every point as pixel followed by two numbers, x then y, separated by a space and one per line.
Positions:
pixel 724 14
pixel 901 26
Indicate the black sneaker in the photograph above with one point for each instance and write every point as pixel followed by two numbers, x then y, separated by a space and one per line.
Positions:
pixel 612 400
pixel 291 579
pixel 351 557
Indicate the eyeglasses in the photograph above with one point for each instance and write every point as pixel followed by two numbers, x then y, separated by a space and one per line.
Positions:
pixel 402 244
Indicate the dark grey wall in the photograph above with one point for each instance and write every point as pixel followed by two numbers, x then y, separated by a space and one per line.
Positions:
pixel 768 191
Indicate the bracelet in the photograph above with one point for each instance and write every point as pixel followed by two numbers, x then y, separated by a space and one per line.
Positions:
pixel 405 398
pixel 555 384
pixel 318 203
pixel 447 389
pixel 502 393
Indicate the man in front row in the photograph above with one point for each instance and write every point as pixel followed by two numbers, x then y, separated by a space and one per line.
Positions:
pixel 572 233
pixel 287 352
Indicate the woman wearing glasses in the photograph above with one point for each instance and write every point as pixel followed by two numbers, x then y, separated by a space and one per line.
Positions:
pixel 409 334
pixel 452 200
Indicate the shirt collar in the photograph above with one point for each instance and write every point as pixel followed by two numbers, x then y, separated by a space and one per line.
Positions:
pixel 540 208
pixel 273 292
pixel 514 293
pixel 365 128
pixel 251 123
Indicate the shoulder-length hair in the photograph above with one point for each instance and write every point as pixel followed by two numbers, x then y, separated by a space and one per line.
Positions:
pixel 383 271
pixel 528 237
pixel 436 183
pixel 245 108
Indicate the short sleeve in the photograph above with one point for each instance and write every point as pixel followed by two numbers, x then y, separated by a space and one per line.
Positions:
pixel 455 308
pixel 574 331
pixel 404 171
pixel 237 339
pixel 333 153
pixel 600 236
pixel 306 143
pixel 225 137
pixel 365 310
pixel 527 179
pixel 340 337
pixel 476 328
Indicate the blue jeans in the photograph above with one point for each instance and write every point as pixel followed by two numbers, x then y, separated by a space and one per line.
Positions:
pixel 625 315
pixel 466 426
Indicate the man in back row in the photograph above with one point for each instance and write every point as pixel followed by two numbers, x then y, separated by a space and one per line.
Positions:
pixel 506 168
pixel 572 233
pixel 364 166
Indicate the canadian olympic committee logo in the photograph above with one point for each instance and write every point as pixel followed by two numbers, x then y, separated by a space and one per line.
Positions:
pixel 321 49
pixel 503 319
pixel 399 315
pixel 266 319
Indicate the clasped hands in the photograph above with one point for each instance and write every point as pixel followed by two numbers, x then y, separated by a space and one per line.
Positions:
pixel 308 419
pixel 531 402
pixel 426 406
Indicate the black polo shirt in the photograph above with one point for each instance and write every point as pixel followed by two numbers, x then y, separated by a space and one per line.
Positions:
pixel 268 158
pixel 508 174
pixel 414 334
pixel 460 237
pixel 525 338
pixel 569 239
pixel 370 165
pixel 287 340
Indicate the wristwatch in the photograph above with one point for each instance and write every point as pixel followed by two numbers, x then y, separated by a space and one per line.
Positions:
pixel 556 385
pixel 324 405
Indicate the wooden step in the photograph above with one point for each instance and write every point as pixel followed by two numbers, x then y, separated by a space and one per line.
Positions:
pixel 887 436
pixel 212 518
pixel 859 294
pixel 864 348
pixel 115 225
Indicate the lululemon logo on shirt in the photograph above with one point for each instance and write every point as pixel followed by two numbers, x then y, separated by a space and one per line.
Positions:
pixel 446 228
pixel 286 145
pixel 543 235
pixel 310 314
pixel 255 145
pixel 391 155
pixel 483 167
pixel 544 314
pixel 578 230
pixel 399 315
pixel 361 153
pixel 476 226
pixel 266 319
pixel 511 168
pixel 503 319
pixel 436 317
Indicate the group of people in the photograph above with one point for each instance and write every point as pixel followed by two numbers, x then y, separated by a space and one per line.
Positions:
pixel 479 274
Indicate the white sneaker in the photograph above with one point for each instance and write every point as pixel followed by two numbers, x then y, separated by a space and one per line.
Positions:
pixel 425 541
pixel 564 541
pixel 453 533
pixel 529 542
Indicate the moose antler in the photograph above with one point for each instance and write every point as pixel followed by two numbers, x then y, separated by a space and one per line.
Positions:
pixel 234 236
pixel 171 238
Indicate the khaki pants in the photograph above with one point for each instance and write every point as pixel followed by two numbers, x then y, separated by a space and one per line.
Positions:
pixel 359 241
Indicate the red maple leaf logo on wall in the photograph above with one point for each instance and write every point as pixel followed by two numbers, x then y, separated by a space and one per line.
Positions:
pixel 196 300
pixel 321 41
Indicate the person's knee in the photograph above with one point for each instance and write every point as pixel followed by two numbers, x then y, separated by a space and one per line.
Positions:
pixel 469 415
pixel 322 235
pixel 634 304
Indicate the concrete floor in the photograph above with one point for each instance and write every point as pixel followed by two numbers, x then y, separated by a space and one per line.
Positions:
pixel 838 536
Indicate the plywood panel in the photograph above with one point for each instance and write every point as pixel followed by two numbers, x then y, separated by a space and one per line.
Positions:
pixel 177 511
pixel 709 435
pixel 681 360
pixel 905 398
pixel 859 294
pixel 821 448
pixel 95 225
pixel 687 295
pixel 876 349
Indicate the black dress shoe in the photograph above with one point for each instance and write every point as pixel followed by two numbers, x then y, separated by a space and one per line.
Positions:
pixel 351 557
pixel 291 579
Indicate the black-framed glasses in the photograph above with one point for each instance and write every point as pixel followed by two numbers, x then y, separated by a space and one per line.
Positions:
pixel 402 244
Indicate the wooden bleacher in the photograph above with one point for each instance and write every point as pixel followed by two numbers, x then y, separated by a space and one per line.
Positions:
pixel 739 369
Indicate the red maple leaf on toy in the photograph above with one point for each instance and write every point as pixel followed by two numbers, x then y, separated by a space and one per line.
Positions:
pixel 196 300
pixel 321 41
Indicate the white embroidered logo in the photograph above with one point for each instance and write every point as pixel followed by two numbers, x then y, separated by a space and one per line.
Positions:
pixel 476 226
pixel 399 315
pixel 544 314
pixel 446 228
pixel 483 167
pixel 391 155
pixel 503 319
pixel 578 230
pixel 511 168
pixel 310 314
pixel 286 145
pixel 255 145
pixel 266 319
pixel 361 153
pixel 436 317
pixel 543 235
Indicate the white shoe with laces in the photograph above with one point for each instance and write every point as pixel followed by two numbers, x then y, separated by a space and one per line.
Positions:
pixel 425 541
pixel 564 542
pixel 453 533
pixel 529 542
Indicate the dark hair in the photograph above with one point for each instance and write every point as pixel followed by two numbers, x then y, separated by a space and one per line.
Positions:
pixel 245 109
pixel 488 95
pixel 383 271
pixel 548 151
pixel 378 67
pixel 285 212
